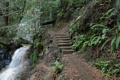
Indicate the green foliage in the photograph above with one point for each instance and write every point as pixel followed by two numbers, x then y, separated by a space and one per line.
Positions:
pixel 3 32
pixel 79 41
pixel 109 68
pixel 37 49
pixel 77 3
pixel 115 43
pixel 97 27
pixel 98 34
pixel 50 10
pixel 101 33
pixel 109 13
pixel 119 27
pixel 58 65
pixel 59 14
pixel 37 43
pixel 74 28
pixel 34 58
pixel 94 39
pixel 103 45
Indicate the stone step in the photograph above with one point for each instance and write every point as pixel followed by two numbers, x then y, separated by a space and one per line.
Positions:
pixel 64 44
pixel 65 47
pixel 67 51
pixel 61 34
pixel 63 39
pixel 68 41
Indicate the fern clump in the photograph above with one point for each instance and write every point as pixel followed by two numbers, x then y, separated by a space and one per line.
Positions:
pixel 110 67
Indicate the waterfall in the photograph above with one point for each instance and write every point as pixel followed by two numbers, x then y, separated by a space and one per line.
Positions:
pixel 18 64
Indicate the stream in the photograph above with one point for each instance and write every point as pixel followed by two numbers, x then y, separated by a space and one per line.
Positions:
pixel 18 64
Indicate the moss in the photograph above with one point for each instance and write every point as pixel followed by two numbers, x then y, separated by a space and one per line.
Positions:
pixel 37 48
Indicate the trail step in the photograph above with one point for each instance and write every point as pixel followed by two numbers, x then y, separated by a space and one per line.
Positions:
pixel 63 39
pixel 64 44
pixel 62 36
pixel 65 47
pixel 67 51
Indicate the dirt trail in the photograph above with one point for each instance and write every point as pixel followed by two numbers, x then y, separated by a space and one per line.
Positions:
pixel 75 68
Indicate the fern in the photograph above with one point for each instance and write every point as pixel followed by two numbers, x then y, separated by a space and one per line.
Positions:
pixel 117 41
pixel 110 67
pixel 79 41
pixel 86 43
pixel 119 27
pixel 104 33
pixel 97 26
pixel 110 11
pixel 36 43
pixel 112 45
pixel 95 40
pixel 103 45
pixel 34 57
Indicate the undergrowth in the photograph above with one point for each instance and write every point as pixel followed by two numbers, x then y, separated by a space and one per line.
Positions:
pixel 38 44
pixel 101 35
pixel 57 69
pixel 109 67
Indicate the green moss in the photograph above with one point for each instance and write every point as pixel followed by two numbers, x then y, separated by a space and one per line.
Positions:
pixel 38 47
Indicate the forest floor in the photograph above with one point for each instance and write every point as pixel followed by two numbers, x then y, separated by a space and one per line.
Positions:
pixel 74 66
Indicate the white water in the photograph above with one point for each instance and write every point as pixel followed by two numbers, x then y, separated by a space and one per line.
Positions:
pixel 17 64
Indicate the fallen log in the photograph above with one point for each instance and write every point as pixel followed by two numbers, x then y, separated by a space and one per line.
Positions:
pixel 49 22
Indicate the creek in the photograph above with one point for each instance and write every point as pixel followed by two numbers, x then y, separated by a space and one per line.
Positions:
pixel 19 63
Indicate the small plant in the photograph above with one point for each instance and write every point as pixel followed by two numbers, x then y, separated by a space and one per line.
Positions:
pixel 56 68
pixel 34 58
pixel 79 41
pixel 109 68
pixel 115 43
pixel 37 49
pixel 115 40
pixel 37 43
pixel 109 13
pixel 74 28
pixel 58 65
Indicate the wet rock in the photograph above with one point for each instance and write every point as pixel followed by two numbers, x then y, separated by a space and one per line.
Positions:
pixel 4 58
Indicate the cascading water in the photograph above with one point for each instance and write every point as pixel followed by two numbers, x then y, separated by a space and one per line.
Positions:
pixel 18 63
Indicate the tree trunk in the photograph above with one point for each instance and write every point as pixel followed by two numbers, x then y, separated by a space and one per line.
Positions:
pixel 63 4
pixel 6 16
pixel 23 10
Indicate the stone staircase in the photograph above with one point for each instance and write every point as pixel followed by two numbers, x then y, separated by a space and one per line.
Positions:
pixel 64 43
